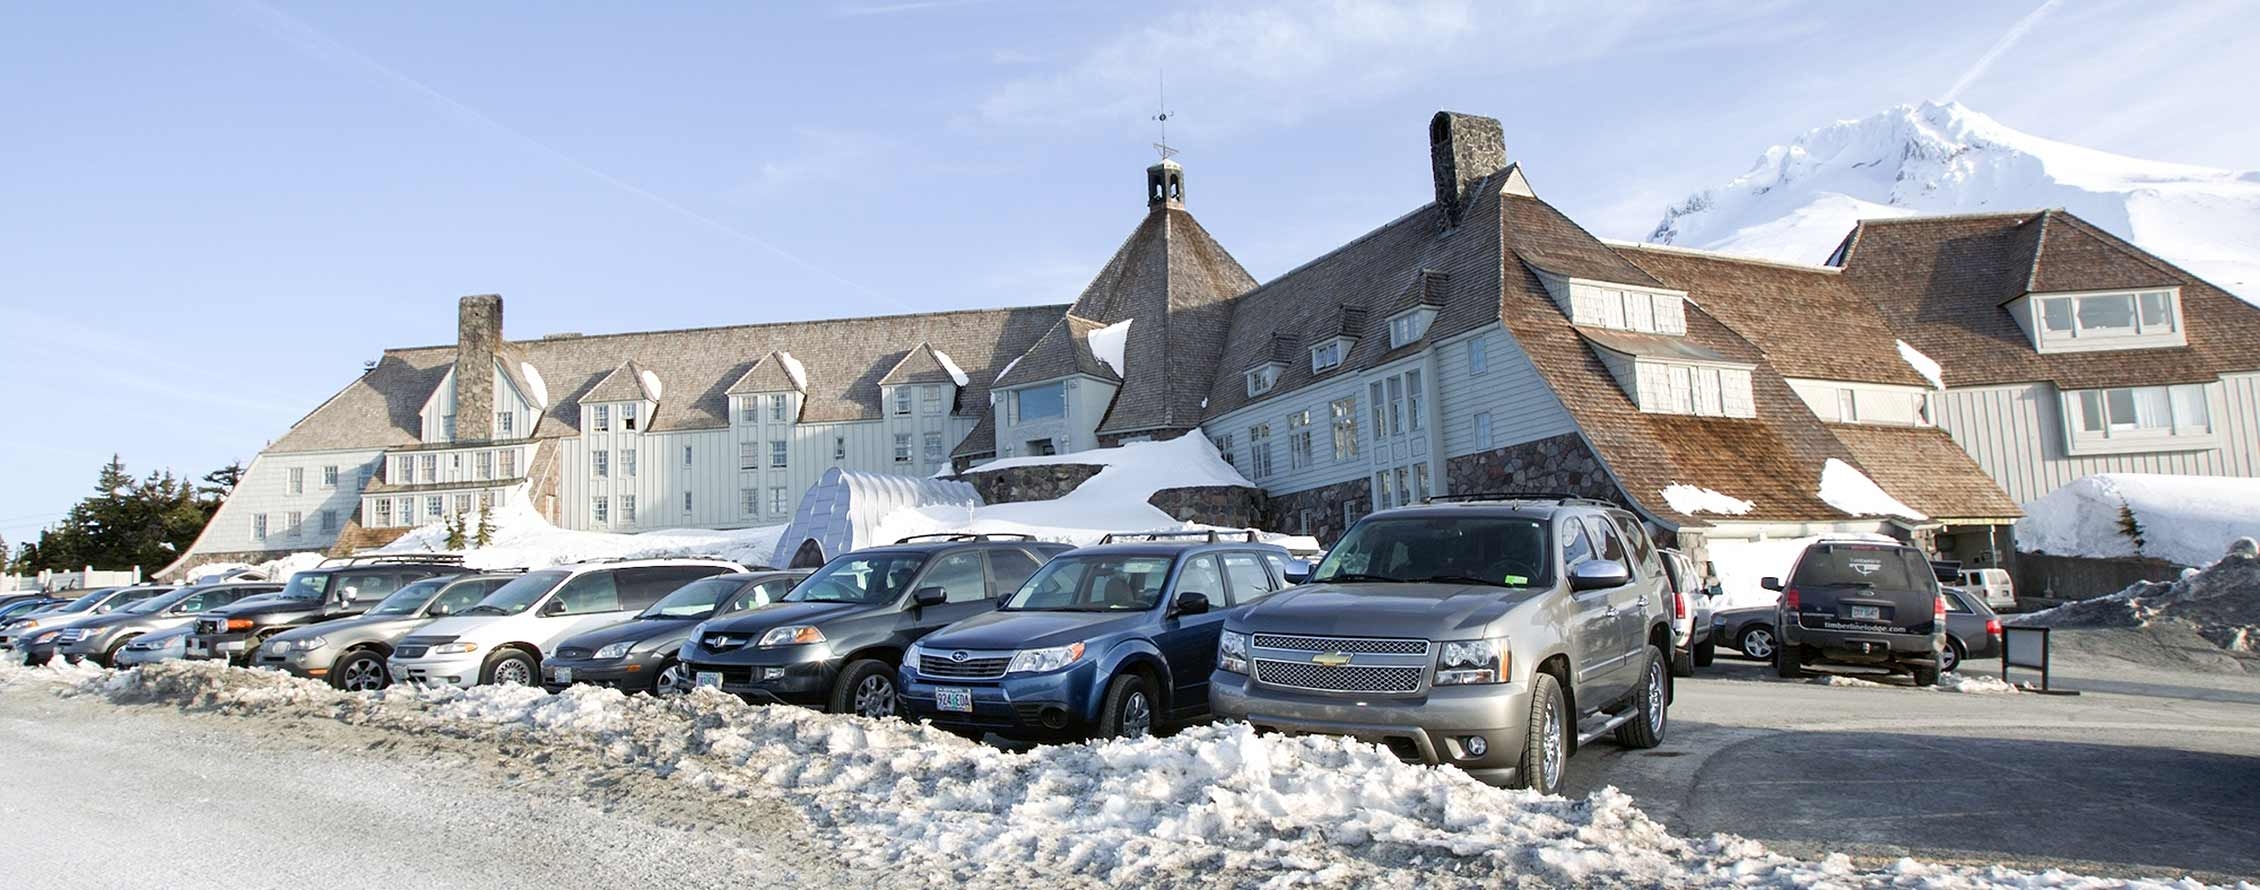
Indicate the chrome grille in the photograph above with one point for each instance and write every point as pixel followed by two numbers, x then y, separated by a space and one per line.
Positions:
pixel 1367 645
pixel 575 652
pixel 72 635
pixel 942 667
pixel 724 642
pixel 1338 678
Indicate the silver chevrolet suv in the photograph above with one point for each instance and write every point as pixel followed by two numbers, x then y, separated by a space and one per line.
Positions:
pixel 1495 633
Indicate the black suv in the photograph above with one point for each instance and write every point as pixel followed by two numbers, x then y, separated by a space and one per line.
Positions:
pixel 1860 602
pixel 338 588
pixel 837 639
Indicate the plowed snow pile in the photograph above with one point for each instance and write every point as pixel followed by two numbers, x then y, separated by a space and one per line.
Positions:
pixel 1210 806
pixel 2221 602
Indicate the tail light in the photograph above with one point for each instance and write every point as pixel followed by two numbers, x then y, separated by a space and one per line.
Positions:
pixel 1938 608
pixel 1789 599
pixel 1993 627
pixel 1679 606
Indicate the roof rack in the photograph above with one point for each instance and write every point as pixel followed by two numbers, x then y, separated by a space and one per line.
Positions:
pixel 609 559
pixel 450 559
pixel 967 536
pixel 1210 535
pixel 1555 496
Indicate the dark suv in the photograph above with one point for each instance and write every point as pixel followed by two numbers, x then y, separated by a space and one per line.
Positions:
pixel 1113 640
pixel 836 640
pixel 340 588
pixel 1860 602
pixel 639 654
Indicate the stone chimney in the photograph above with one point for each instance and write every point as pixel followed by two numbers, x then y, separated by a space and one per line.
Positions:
pixel 1462 150
pixel 478 325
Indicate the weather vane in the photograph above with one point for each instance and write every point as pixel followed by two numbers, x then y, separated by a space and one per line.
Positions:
pixel 1163 118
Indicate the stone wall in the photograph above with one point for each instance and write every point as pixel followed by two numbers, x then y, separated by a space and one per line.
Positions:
pixel 1226 505
pixel 1559 464
pixel 1326 506
pixel 478 336
pixel 1038 483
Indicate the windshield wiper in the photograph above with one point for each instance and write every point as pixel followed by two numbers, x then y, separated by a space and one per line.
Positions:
pixel 1356 577
pixel 1458 579
pixel 486 610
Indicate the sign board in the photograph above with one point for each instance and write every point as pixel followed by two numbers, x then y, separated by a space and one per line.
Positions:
pixel 2024 647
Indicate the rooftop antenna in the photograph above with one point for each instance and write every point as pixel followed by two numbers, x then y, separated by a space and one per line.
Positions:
pixel 1162 80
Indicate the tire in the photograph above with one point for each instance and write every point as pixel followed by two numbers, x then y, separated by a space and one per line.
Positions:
pixel 1926 676
pixel 1682 663
pixel 1788 662
pixel 1758 641
pixel 1950 658
pixel 360 670
pixel 672 679
pixel 1651 704
pixel 866 688
pixel 1129 709
pixel 511 667
pixel 1546 737
pixel 1706 652
pixel 109 658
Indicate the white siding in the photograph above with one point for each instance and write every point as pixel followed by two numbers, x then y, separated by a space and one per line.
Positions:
pixel 1522 407
pixel 2016 434
pixel 265 488
pixel 1075 430
pixel 1323 469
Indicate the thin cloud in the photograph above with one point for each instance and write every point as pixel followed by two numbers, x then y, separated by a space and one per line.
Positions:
pixel 913 6
pixel 2008 41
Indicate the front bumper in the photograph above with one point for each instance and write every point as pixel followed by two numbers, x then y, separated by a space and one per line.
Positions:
pixel 793 675
pixel 459 671
pixel 638 672
pixel 35 654
pixel 1061 703
pixel 310 663
pixel 232 648
pixel 129 656
pixel 1432 728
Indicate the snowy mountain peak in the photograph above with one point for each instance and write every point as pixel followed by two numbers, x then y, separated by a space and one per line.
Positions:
pixel 1800 199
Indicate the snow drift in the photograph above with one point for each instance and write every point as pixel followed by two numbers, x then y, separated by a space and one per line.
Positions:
pixel 522 538
pixel 1799 200
pixel 2221 603
pixel 2186 520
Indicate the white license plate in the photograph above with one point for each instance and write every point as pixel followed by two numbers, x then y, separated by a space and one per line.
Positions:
pixel 564 675
pixel 1866 613
pixel 951 698
pixel 709 678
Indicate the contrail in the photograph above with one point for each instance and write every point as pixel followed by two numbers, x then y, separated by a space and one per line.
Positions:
pixel 304 37
pixel 2016 33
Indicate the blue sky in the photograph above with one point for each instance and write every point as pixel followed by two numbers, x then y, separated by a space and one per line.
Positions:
pixel 212 213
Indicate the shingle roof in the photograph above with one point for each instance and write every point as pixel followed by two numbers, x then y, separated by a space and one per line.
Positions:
pixel 1061 351
pixel 1924 469
pixel 1175 283
pixel 624 384
pixel 1806 319
pixel 918 366
pixel 1940 283
pixel 1661 346
pixel 768 374
pixel 845 358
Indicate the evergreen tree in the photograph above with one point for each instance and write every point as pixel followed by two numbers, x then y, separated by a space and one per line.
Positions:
pixel 128 522
pixel 454 523
pixel 485 533
pixel 220 483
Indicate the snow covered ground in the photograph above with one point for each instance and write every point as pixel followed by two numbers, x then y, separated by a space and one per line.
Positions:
pixel 2189 520
pixel 522 538
pixel 1206 806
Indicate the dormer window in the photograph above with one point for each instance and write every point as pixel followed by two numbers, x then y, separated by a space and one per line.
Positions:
pixel 1621 307
pixel 1407 327
pixel 2103 321
pixel 1327 356
pixel 603 420
pixel 628 417
pixel 1262 379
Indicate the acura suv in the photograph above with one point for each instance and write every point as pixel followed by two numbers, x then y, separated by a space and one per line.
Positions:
pixel 1494 633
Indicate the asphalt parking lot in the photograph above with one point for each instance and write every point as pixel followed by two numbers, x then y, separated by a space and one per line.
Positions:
pixel 2150 772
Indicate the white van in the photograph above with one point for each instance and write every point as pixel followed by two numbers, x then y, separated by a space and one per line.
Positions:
pixel 1992 584
pixel 503 639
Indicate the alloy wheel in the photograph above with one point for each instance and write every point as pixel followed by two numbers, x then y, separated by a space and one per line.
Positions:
pixel 671 681
pixel 875 697
pixel 1137 716
pixel 1655 698
pixel 1550 760
pixel 512 672
pixel 1758 643
pixel 362 674
pixel 1948 659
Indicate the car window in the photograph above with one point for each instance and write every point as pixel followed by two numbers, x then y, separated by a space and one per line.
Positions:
pixel 960 577
pixel 1891 568
pixel 1676 572
pixel 595 591
pixel 1201 576
pixel 1011 568
pixel 641 587
pixel 465 595
pixel 368 586
pixel 1637 537
pixel 1094 584
pixel 870 579
pixel 1606 544
pixel 1955 604
pixel 1577 546
pixel 1250 580
pixel 761 594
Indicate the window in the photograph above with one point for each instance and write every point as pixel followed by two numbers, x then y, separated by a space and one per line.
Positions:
pixel 384 512
pixel 404 470
pixel 749 501
pixel 2076 322
pixel 589 593
pixel 932 396
pixel 779 407
pixel 628 417
pixel 1326 357
pixel 509 463
pixel 1299 445
pixel 1261 380
pixel 429 464
pixel 1251 581
pixel 1349 514
pixel 686 455
pixel 749 409
pixel 749 455
pixel 1483 430
pixel 1384 493
pixel 329 522
pixel 1040 402
pixel 297 480
pixel 259 525
pixel 329 477
pixel 1478 356
pixel 503 421
pixel 435 506
pixel 902 448
pixel 1375 397
pixel 603 418
pixel 1622 309
pixel 1420 490
pixel 1410 326
pixel 628 462
pixel 408 511
pixel 902 400
pixel 602 463
pixel 1413 395
pixel 2142 412
pixel 777 500
pixel 628 509
pixel 455 466
pixel 483 462
pixel 600 509
pixel 1577 546
pixel 447 427
pixel 839 446
pixel 1396 405
pixel 1345 413
pixel 486 500
pixel 933 447
pixel 1010 569
pixel 1042 447
pixel 778 453
pixel 962 577
pixel 686 502
pixel 1259 451
pixel 368 472
pixel 1673 388
pixel 1225 450
pixel 463 503
pixel 1200 576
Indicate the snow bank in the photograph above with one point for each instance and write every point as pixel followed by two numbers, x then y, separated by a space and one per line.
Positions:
pixel 1693 499
pixel 540 387
pixel 1741 565
pixel 2221 603
pixel 1107 343
pixel 2187 520
pixel 1844 487
pixel 523 539
pixel 915 802
pixel 794 369
pixel 1947 682
pixel 948 364
pixel 651 384
pixel 1923 364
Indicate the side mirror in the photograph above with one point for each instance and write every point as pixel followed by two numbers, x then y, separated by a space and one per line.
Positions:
pixel 929 596
pixel 1770 583
pixel 440 610
pixel 1000 601
pixel 1192 604
pixel 553 608
pixel 1595 574
pixel 1714 589
pixel 1297 571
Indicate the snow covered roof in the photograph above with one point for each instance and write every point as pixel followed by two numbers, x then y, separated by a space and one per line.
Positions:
pixel 1062 351
pixel 1924 469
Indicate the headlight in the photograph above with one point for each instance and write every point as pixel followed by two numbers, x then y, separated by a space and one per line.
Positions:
pixel 1037 661
pixel 1232 653
pixel 616 650
pixel 910 657
pixel 308 644
pixel 454 648
pixel 791 635
pixel 1471 661
pixel 47 637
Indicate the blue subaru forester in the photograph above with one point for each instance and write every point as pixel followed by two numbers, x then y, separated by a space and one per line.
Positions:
pixel 1115 640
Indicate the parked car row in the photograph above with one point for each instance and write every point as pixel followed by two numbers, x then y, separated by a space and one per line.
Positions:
pixel 1870 604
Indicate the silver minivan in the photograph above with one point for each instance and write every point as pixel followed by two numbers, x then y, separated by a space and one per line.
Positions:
pixel 1993 584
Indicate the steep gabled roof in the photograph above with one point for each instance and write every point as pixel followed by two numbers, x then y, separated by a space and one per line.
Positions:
pixel 919 365
pixel 1806 319
pixel 1924 469
pixel 1940 283
pixel 624 384
pixel 1175 282
pixel 768 374
pixel 1063 350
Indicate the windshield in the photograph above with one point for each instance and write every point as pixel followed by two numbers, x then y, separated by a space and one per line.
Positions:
pixel 696 599
pixel 878 578
pixel 159 603
pixel 307 586
pixel 518 595
pixel 86 602
pixel 1891 568
pixel 1502 551
pixel 1094 584
pixel 408 599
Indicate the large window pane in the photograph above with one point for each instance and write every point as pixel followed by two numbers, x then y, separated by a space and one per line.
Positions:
pixel 2151 410
pixel 2056 315
pixel 1040 402
pixel 2191 413
pixel 2121 405
pixel 2107 315
pixel 2091 411
pixel 2157 312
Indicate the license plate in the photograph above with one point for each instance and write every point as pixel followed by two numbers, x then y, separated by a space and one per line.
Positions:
pixel 564 675
pixel 1866 613
pixel 228 647
pixel 950 698
pixel 709 678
